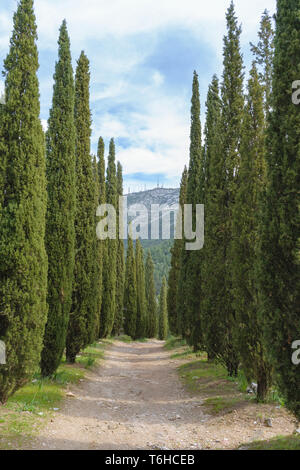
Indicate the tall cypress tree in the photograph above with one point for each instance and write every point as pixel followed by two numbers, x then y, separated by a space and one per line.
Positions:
pixel 213 267
pixel 120 262
pixel 264 56
pixel 141 293
pixel 280 229
pixel 252 179
pixel 102 246
pixel 82 317
pixel 231 121
pixel 163 312
pixel 152 318
pixel 180 290
pixel 109 268
pixel 176 252
pixel 23 259
pixel 97 276
pixel 130 292
pixel 191 260
pixel 60 232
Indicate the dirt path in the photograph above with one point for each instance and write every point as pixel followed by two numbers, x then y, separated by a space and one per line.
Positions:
pixel 135 400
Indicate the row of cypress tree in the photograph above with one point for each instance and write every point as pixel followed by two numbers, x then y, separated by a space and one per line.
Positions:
pixel 60 287
pixel 238 298
pixel 143 317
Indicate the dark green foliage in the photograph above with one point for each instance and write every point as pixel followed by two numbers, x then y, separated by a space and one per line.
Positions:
pixel 141 293
pixel 231 122
pixel 213 267
pixel 81 328
pixel 101 171
pixel 280 231
pixel 163 312
pixel 109 268
pixel 190 282
pixel 23 259
pixel 161 255
pixel 120 263
pixel 176 252
pixel 252 180
pixel 130 293
pixel 264 56
pixel 60 231
pixel 151 304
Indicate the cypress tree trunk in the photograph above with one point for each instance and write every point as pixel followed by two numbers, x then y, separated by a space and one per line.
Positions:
pixel 109 269
pixel 60 231
pixel 151 298
pixel 82 317
pixel 141 293
pixel 23 259
pixel 280 229
pixel 130 293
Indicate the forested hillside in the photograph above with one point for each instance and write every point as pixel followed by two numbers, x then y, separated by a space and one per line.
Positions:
pixel 160 249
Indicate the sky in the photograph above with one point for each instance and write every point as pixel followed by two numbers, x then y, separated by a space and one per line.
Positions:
pixel 142 55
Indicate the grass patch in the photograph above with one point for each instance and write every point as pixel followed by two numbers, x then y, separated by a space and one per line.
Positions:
pixel 26 411
pixel 128 339
pixel 194 372
pixel 124 339
pixel 277 443
pixel 217 405
pixel 173 343
pixel 67 374
pixel 241 381
pixel 221 394
pixel 186 354
pixel 90 355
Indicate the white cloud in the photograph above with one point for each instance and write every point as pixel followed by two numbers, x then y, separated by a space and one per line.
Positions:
pixel 108 127
pixel 158 78
pixel 118 37
pixel 98 18
pixel 44 124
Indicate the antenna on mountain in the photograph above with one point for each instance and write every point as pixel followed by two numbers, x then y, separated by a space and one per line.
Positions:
pixel 158 182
